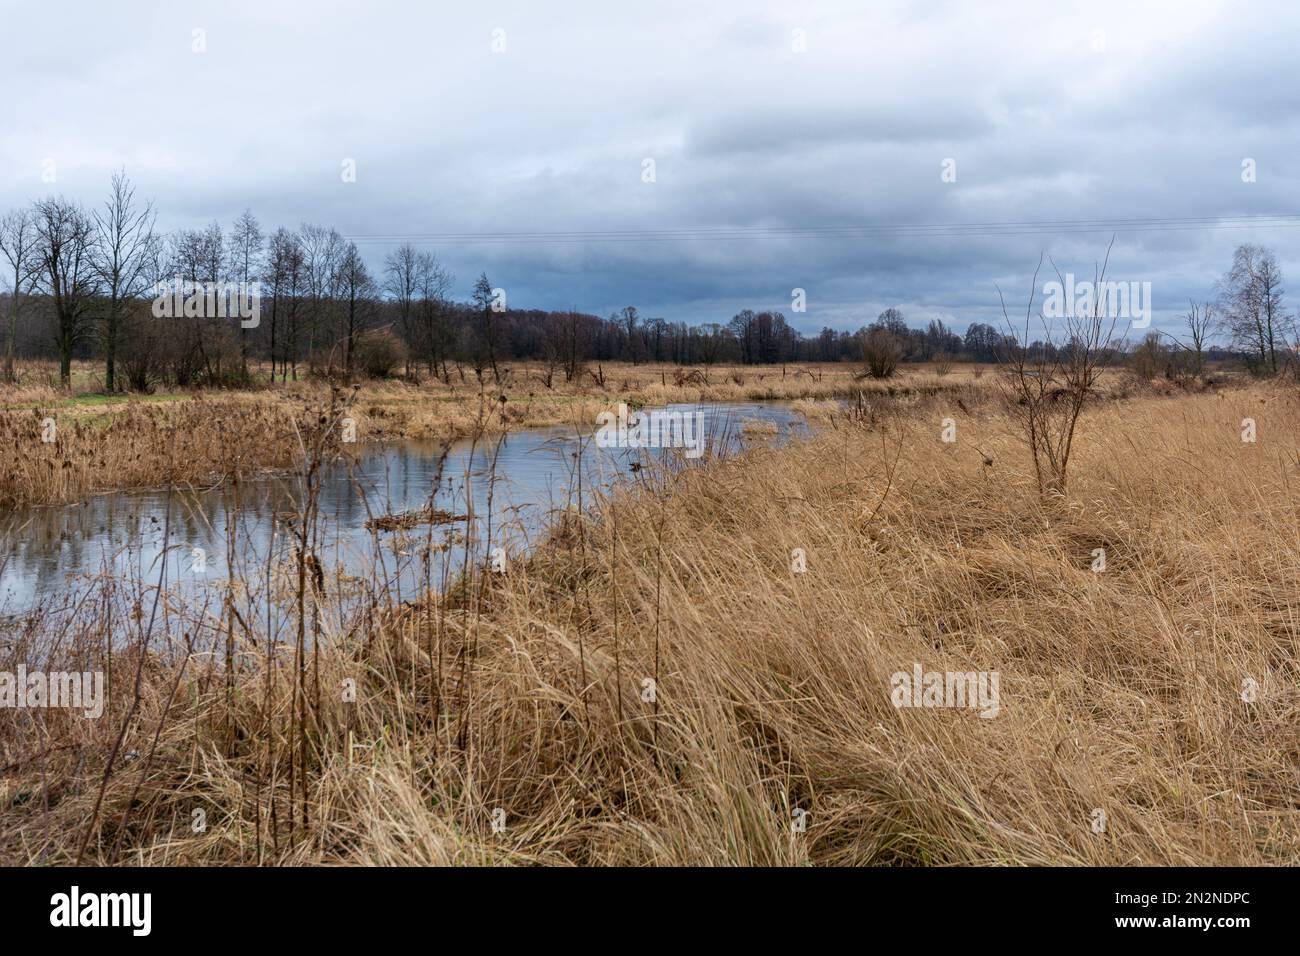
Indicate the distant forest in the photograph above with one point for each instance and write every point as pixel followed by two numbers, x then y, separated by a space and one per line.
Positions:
pixel 78 284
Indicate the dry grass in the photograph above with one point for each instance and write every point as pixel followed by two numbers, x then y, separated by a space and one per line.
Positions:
pixel 107 443
pixel 1121 691
pixel 50 457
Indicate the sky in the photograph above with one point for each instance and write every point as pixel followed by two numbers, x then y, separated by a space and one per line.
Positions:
pixel 759 119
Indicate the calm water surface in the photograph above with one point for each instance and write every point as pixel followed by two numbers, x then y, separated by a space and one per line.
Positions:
pixel 50 556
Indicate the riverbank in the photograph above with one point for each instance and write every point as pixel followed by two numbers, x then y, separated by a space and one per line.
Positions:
pixel 57 448
pixel 706 672
pixel 51 553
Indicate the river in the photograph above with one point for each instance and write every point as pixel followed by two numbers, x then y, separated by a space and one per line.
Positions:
pixel 50 556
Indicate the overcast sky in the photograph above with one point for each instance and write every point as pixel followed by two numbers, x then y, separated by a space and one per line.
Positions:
pixel 1050 112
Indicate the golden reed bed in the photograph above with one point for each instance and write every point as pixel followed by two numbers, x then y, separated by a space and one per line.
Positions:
pixel 660 684
pixel 57 448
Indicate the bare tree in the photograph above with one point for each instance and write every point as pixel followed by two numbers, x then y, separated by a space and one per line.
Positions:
pixel 712 340
pixel 186 263
pixel 356 290
pixel 185 254
pixel 200 258
pixel 402 283
pixel 18 246
pixel 214 272
pixel 572 362
pixel 629 318
pixel 124 258
pixel 64 243
pixel 1251 299
pixel 1201 321
pixel 244 253
pixel 1200 325
pixel 1047 387
pixel 556 331
pixel 284 275
pixel 550 359
pixel 433 287
pixel 322 251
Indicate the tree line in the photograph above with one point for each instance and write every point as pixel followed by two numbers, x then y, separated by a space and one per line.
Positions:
pixel 79 284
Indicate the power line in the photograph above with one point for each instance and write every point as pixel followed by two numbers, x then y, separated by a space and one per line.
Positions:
pixel 877 231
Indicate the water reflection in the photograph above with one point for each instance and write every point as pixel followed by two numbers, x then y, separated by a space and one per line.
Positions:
pixel 48 554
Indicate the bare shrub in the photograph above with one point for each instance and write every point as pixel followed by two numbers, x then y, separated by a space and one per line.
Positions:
pixel 143 350
pixel 1047 386
pixel 379 353
pixel 1189 359
pixel 881 352
pixel 551 364
pixel 1148 359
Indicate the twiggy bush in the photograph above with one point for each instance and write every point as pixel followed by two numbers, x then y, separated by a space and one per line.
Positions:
pixel 881 352
pixel 1048 386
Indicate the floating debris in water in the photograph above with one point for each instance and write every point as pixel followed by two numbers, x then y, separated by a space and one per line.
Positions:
pixel 402 520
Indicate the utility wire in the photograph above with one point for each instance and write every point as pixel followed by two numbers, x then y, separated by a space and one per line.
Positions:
pixel 879 231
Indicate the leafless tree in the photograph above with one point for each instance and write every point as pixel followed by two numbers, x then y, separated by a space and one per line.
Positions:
pixel 18 246
pixel 322 251
pixel 1048 387
pixel 1251 300
pixel 356 291
pixel 402 283
pixel 712 339
pixel 64 245
pixel 125 252
pixel 1201 322
pixel 629 318
pixel 283 275
pixel 1200 325
pixel 185 254
pixel 214 271
pixel 190 259
pixel 557 329
pixel 433 287
pixel 550 363
pixel 244 254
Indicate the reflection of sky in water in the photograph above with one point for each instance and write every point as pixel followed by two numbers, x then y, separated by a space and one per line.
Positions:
pixel 44 550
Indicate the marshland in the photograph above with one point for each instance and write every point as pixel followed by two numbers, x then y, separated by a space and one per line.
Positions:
pixel 656 678
pixel 948 517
